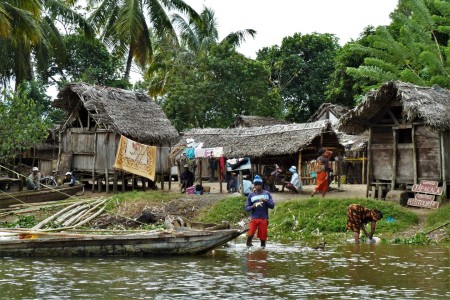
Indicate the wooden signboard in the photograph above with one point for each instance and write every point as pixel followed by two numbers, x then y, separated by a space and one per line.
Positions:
pixel 424 200
pixel 428 187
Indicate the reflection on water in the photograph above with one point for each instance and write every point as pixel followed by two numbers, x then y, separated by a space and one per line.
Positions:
pixel 279 272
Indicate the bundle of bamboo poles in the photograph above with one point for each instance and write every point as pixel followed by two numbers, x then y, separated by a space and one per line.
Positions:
pixel 75 215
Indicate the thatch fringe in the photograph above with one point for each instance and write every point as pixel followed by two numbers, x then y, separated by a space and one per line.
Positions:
pixel 131 114
pixel 258 141
pixel 431 104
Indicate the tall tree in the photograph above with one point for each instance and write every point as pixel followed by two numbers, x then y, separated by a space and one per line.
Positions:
pixel 88 61
pixel 29 36
pixel 215 86
pixel 414 48
pixel 22 124
pixel 197 36
pixel 344 89
pixel 127 26
pixel 301 69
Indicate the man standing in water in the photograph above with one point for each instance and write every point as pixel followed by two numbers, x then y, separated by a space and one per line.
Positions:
pixel 258 203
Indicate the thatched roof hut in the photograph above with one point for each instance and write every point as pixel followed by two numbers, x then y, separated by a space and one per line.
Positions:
pixel 131 114
pixel 329 111
pixel 409 135
pixel 265 141
pixel 255 121
pixel 432 104
pixel 97 118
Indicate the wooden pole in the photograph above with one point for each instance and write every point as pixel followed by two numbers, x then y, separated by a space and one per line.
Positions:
pixel 363 175
pixel 94 161
pixel 241 183
pixel 394 159
pixel 161 166
pixel 200 171
pixel 414 153
pixel 220 177
pixel 369 162
pixel 443 162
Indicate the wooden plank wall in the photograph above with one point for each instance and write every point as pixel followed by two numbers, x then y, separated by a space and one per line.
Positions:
pixel 381 153
pixel 428 153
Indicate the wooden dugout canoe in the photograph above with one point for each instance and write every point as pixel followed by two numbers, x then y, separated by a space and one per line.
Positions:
pixel 178 242
pixel 46 194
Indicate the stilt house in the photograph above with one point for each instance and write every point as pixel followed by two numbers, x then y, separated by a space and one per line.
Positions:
pixel 409 135
pixel 97 117
pixel 290 144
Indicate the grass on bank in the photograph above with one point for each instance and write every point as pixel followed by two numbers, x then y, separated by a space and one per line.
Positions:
pixel 311 218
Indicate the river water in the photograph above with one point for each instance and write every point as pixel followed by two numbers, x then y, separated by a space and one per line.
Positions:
pixel 365 271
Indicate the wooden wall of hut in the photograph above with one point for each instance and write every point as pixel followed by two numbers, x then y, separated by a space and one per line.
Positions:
pixel 413 152
pixel 94 152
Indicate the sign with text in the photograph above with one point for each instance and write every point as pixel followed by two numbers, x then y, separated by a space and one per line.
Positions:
pixel 428 188
pixel 422 203
pixel 424 200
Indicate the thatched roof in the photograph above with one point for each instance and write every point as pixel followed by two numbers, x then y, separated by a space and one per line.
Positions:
pixel 353 142
pixel 337 110
pixel 259 141
pixel 431 104
pixel 255 121
pixel 131 114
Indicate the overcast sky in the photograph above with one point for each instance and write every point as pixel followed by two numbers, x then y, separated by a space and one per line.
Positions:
pixel 275 19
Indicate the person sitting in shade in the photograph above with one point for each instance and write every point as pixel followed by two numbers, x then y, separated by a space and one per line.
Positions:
pixel 246 185
pixel 294 184
pixel 187 179
pixel 34 180
pixel 69 179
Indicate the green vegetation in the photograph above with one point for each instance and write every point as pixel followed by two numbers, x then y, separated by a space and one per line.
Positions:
pixel 295 220
pixel 311 218
pixel 438 218
pixel 135 196
pixel 21 222
pixel 230 209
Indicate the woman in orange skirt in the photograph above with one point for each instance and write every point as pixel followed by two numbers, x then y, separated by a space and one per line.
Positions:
pixel 322 172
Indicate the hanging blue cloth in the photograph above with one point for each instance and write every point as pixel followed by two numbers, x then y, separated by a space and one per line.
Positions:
pixel 190 153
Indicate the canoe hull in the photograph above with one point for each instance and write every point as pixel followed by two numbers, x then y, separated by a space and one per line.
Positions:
pixel 44 195
pixel 163 243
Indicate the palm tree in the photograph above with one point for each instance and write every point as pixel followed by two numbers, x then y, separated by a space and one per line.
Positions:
pixel 196 36
pixel 29 37
pixel 127 26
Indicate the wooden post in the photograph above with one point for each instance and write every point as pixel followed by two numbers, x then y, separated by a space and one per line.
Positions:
pixel 363 175
pixel 108 135
pixel 241 183
pixel 124 181
pixel 200 171
pixel 94 161
pixel 299 168
pixel 414 153
pixel 115 181
pixel 133 182
pixel 443 162
pixel 221 177
pixel 161 167
pixel 394 159
pixel 107 180
pixel 99 184
pixel 369 162
pixel 144 181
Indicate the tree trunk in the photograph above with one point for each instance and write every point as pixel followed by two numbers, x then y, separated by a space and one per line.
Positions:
pixel 126 76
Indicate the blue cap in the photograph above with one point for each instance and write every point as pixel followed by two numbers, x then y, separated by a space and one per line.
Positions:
pixel 257 180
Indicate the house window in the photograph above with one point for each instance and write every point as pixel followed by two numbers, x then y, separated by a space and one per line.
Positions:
pixel 405 136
